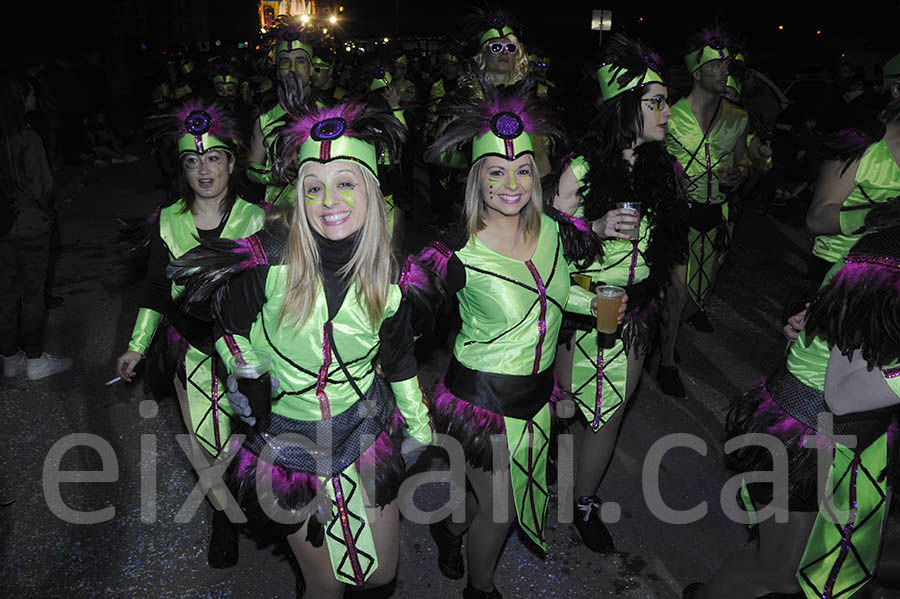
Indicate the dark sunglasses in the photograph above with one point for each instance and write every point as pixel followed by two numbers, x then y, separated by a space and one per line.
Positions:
pixel 497 48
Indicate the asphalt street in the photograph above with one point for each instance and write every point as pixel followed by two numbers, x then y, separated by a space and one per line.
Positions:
pixel 142 550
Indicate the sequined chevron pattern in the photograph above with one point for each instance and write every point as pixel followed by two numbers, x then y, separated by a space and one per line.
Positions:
pixel 351 545
pixel 212 425
pixel 599 390
pixel 529 442
pixel 842 550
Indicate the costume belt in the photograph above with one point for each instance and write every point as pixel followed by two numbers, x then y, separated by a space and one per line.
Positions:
pixel 514 395
pixel 329 445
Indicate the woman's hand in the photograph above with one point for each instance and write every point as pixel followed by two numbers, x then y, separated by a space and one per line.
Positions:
pixel 616 220
pixel 623 308
pixel 795 324
pixel 392 95
pixel 126 363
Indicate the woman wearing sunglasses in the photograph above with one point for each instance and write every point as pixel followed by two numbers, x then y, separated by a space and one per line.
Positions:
pixel 620 160
pixel 500 57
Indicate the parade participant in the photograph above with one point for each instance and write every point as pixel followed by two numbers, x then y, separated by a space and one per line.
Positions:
pixel 500 55
pixel 843 366
pixel 504 265
pixel 847 189
pixel 394 184
pixel 707 135
pixel 405 87
pixel 24 238
pixel 326 90
pixel 442 87
pixel 292 52
pixel 205 137
pixel 321 299
pixel 621 160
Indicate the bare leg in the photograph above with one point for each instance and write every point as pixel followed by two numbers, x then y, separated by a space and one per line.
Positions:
pixel 676 300
pixel 487 535
pixel 315 564
pixel 770 568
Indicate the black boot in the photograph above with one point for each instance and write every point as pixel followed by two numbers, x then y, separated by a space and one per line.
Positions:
pixel 591 528
pixel 701 322
pixel 300 585
pixel 450 559
pixel 669 381
pixel 471 592
pixel 223 544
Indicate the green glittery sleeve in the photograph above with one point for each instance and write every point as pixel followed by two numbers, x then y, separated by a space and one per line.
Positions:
pixel 144 328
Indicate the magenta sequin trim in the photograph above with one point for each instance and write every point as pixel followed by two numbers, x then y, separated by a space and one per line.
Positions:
pixel 284 481
pixel 891 373
pixel 349 541
pixel 325 151
pixel 873 259
pixel 598 394
pixel 634 257
pixel 510 150
pixel 321 380
pixel 256 250
pixel 846 534
pixel 542 317
pixel 232 344
pixel 215 403
pixel 708 174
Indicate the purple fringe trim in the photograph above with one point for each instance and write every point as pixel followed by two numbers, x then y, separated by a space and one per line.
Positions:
pixel 785 425
pixel 444 402
pixel 579 223
pixel 875 272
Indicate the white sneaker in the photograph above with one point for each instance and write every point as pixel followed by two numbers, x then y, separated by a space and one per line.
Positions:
pixel 14 364
pixel 47 365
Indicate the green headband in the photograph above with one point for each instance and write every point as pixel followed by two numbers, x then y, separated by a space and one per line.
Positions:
pixel 709 54
pixel 731 81
pixel 318 62
pixel 495 33
pixel 327 142
pixel 608 74
pixel 288 45
pixel 380 82
pixel 225 79
pixel 507 138
pixel 200 144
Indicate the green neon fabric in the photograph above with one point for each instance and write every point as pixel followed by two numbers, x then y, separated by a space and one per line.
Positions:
pixel 303 346
pixel 493 34
pixel 608 75
pixel 342 148
pixel 179 233
pixel 491 307
pixel 685 137
pixel 701 264
pixel 877 180
pixel 287 46
pixel 709 54
pixel 359 533
pixel 144 328
pixel 599 402
pixel 842 549
pixel 494 337
pixel 188 143
pixel 491 144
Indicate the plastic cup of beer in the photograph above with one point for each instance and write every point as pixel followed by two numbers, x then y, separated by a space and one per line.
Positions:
pixel 252 370
pixel 632 231
pixel 609 298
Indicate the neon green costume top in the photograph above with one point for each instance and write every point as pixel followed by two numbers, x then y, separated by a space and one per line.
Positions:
pixel 700 157
pixel 179 234
pixel 877 180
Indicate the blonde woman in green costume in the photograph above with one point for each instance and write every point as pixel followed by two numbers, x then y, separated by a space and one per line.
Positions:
pixel 320 297
pixel 505 270
pixel 206 138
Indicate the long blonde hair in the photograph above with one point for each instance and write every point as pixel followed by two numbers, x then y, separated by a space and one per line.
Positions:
pixel 520 67
pixel 476 210
pixel 372 268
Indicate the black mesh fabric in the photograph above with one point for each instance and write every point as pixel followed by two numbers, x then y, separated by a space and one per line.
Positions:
pixel 367 418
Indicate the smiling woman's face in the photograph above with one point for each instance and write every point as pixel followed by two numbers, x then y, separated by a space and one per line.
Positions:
pixel 335 198
pixel 506 184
